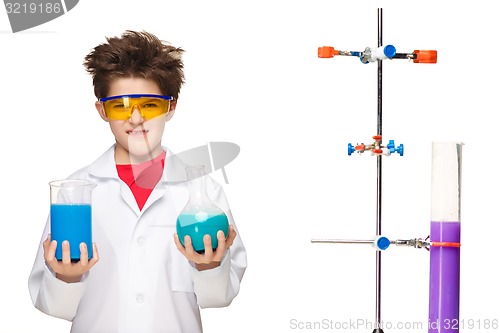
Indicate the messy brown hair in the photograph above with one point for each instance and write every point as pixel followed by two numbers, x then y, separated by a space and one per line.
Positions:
pixel 136 54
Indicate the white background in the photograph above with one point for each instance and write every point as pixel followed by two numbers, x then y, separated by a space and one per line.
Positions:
pixel 253 78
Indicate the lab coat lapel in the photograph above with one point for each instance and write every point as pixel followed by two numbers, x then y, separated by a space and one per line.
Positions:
pixel 105 167
pixel 174 172
pixel 157 193
pixel 129 198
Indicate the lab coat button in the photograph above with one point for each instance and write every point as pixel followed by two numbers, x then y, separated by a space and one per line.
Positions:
pixel 141 241
pixel 139 298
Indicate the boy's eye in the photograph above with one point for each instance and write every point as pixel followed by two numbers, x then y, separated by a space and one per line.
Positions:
pixel 117 104
pixel 150 105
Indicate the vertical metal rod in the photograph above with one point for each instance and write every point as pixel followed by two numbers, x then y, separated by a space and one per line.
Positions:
pixel 379 77
pixel 379 180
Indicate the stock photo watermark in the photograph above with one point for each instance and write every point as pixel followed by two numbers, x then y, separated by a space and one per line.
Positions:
pixel 326 324
pixel 26 14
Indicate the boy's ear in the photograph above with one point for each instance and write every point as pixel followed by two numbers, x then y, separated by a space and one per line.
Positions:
pixel 171 112
pixel 100 109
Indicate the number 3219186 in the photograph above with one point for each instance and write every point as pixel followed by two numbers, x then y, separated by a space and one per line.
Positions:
pixel 478 324
pixel 33 8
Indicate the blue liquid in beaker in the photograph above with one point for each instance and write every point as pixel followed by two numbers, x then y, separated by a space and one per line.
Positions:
pixel 189 224
pixel 71 222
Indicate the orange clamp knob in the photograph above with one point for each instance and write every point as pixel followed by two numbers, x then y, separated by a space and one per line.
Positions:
pixel 425 56
pixel 377 137
pixel 360 147
pixel 327 52
pixel 377 151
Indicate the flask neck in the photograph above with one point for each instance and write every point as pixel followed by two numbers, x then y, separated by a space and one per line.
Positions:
pixel 197 187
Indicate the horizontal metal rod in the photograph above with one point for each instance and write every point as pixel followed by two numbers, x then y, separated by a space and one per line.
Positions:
pixel 415 242
pixel 342 241
pixel 408 56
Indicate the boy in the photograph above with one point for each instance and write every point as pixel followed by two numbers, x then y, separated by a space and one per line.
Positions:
pixel 141 279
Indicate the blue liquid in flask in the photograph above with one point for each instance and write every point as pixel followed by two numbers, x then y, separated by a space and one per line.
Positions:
pixel 200 224
pixel 71 222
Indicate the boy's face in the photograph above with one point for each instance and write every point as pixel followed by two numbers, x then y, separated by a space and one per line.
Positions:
pixel 137 140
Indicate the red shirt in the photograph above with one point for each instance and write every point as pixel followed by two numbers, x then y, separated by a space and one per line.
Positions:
pixel 142 178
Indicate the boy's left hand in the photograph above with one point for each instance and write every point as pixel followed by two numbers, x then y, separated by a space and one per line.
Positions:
pixel 209 259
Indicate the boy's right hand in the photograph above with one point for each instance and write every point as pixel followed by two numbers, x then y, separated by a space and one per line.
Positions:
pixel 66 270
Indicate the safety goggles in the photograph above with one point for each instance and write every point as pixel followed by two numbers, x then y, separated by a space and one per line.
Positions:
pixel 150 106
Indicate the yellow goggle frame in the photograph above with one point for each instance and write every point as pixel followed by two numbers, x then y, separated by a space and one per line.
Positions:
pixel 150 106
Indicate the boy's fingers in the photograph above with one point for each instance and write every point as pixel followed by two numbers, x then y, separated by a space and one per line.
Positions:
pixel 95 256
pixel 230 238
pixel 66 254
pixel 50 254
pixel 207 244
pixel 84 254
pixel 190 252
pixel 221 246
pixel 207 257
pixel 178 244
pixel 46 242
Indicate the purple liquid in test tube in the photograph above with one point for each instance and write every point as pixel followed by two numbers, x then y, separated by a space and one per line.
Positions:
pixel 444 287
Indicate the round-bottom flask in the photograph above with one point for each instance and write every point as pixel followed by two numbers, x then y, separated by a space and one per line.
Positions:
pixel 200 216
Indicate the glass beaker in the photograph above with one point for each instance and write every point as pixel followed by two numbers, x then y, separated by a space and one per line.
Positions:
pixel 200 216
pixel 71 215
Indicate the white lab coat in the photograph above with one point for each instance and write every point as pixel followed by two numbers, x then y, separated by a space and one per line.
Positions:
pixel 141 283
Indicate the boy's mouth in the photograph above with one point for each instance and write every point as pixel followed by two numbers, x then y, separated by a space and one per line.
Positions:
pixel 137 132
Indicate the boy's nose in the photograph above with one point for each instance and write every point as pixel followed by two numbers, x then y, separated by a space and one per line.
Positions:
pixel 136 117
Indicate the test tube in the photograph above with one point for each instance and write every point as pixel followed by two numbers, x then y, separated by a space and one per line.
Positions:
pixel 444 288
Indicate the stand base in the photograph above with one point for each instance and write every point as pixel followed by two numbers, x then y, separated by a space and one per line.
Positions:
pixel 378 330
